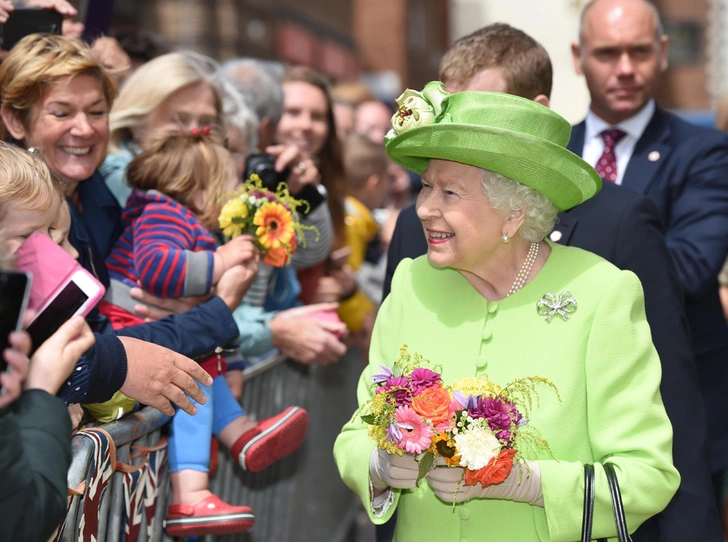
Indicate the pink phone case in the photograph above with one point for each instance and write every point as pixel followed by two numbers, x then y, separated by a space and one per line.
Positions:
pixel 52 269
pixel 328 316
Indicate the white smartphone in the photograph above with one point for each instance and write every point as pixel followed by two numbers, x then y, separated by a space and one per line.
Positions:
pixel 78 296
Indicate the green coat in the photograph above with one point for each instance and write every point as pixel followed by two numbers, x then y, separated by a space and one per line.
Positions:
pixel 605 367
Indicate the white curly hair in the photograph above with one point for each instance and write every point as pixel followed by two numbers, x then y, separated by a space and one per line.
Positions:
pixel 506 195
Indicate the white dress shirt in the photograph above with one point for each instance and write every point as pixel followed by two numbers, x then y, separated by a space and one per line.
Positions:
pixel 633 127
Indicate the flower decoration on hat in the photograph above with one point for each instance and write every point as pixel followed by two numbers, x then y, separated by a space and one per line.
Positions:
pixel 270 217
pixel 418 108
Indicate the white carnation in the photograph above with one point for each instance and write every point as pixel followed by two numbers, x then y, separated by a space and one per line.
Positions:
pixel 476 446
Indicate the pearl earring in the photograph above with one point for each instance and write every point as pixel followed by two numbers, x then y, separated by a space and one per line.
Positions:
pixel 506 239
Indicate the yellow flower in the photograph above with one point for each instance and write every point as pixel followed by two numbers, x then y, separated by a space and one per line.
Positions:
pixel 275 226
pixel 443 446
pixel 476 386
pixel 232 210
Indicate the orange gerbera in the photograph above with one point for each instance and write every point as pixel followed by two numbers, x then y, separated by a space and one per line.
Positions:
pixel 275 226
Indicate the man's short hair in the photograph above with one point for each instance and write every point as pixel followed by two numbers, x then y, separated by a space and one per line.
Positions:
pixel 524 63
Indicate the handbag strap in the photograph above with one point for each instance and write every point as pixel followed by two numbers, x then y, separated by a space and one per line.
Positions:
pixel 588 516
pixel 617 507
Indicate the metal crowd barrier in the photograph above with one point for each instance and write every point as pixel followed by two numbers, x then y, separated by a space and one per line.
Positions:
pixel 298 499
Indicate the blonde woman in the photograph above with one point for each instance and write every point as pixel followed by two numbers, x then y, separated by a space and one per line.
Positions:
pixel 55 98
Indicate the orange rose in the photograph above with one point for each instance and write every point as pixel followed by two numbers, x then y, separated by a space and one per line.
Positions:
pixel 494 472
pixel 277 257
pixel 433 404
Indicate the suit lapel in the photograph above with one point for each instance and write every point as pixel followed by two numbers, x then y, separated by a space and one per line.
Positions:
pixel 576 143
pixel 649 154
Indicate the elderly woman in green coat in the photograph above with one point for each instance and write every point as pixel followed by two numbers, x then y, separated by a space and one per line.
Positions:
pixel 493 297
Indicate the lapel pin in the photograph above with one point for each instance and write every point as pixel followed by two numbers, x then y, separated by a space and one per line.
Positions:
pixel 556 236
pixel 654 156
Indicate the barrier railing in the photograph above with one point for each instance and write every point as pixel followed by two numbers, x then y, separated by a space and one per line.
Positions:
pixel 300 498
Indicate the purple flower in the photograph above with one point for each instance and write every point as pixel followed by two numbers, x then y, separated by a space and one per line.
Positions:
pixel 394 433
pixel 495 411
pixel 400 387
pixel 505 436
pixel 384 374
pixel 423 379
pixel 467 402
pixel 516 416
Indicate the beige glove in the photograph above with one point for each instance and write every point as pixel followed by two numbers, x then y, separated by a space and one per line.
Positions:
pixel 396 471
pixel 445 481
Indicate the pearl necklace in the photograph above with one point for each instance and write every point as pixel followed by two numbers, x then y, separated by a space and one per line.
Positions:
pixel 525 269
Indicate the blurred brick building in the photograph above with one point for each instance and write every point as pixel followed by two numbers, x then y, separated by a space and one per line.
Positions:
pixel 341 38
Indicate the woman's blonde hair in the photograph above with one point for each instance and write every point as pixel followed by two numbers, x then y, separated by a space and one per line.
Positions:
pixel 180 166
pixel 36 63
pixel 153 83
pixel 25 180
pixel 506 195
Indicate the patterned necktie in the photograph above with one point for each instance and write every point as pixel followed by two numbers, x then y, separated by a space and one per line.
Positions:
pixel 607 165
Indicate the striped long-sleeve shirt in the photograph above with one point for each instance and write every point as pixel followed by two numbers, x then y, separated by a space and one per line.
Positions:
pixel 163 246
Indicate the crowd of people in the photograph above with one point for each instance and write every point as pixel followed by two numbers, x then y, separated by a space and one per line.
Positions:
pixel 457 211
pixel 125 159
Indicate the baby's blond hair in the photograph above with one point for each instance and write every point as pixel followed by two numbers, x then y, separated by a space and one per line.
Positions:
pixel 25 180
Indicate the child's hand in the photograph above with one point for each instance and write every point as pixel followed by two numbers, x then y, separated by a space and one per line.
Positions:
pixel 235 381
pixel 11 380
pixel 75 412
pixel 236 282
pixel 54 360
pixel 238 251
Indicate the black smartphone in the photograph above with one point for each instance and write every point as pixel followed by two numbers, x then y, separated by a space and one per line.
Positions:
pixel 24 21
pixel 14 294
pixel 62 308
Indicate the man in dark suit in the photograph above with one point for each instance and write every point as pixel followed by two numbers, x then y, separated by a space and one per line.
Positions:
pixel 623 228
pixel 683 168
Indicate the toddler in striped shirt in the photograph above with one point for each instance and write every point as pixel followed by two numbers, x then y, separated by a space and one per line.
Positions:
pixel 179 183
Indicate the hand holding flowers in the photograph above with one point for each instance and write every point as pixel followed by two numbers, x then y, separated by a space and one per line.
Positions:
pixel 520 482
pixel 473 424
pixel 270 217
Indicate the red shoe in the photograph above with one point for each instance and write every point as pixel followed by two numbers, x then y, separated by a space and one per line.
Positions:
pixel 209 516
pixel 271 439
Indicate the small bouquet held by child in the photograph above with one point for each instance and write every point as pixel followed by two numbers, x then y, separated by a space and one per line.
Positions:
pixel 473 423
pixel 270 217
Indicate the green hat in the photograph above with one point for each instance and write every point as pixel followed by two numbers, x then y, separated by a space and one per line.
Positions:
pixel 518 138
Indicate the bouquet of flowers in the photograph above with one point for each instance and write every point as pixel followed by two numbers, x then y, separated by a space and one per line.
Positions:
pixel 270 217
pixel 473 423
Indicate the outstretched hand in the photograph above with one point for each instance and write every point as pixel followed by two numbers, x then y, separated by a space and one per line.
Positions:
pixel 308 340
pixel 159 377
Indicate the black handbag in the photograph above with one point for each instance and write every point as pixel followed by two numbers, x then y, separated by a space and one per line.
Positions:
pixel 617 507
